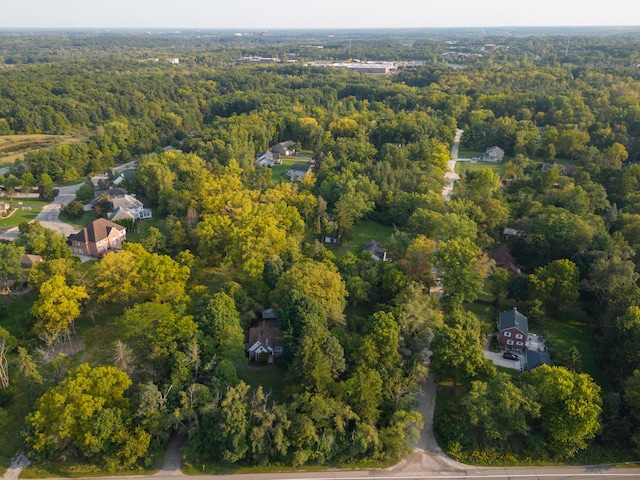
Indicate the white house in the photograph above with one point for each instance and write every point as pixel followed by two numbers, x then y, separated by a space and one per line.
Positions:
pixel 298 171
pixel 284 148
pixel 127 206
pixel 268 159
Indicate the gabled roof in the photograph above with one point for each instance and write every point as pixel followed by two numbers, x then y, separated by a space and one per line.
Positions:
pixel 284 145
pixel 121 213
pixel 116 192
pixel 266 333
pixel 28 260
pixel 375 248
pixel 495 149
pixel 97 230
pixel 504 259
pixel 126 202
pixel 536 358
pixel 513 319
pixel 300 167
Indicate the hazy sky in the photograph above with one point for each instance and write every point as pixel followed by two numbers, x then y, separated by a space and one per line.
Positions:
pixel 277 14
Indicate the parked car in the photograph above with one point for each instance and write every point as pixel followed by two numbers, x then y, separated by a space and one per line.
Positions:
pixel 510 356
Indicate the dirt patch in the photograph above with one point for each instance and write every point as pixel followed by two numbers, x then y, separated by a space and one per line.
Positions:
pixel 69 349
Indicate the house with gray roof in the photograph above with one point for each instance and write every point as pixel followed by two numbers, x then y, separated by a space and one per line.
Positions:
pixel 493 154
pixel 268 159
pixel 284 148
pixel 376 250
pixel 298 171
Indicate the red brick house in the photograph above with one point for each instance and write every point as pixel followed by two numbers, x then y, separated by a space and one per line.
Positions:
pixel 513 330
pixel 97 238
pixel 503 258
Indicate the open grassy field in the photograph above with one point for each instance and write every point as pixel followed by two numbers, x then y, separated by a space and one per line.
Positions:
pixel 363 232
pixel 565 332
pixel 13 147
pixel 270 377
pixel 462 167
pixel 464 153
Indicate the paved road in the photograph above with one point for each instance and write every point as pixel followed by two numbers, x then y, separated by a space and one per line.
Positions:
pixel 451 174
pixel 49 215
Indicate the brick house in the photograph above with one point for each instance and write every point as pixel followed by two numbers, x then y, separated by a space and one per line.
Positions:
pixel 513 330
pixel 98 238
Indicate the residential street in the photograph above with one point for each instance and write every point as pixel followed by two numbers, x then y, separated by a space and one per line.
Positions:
pixel 48 217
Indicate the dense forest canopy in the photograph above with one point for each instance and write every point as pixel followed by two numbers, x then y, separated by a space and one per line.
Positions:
pixel 231 239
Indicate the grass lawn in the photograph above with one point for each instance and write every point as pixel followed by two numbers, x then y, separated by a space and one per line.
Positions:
pixel 363 232
pixel 277 171
pixel 143 229
pixel 462 167
pixel 566 332
pixel 270 377
pixel 464 153
pixel 21 215
pixel 77 223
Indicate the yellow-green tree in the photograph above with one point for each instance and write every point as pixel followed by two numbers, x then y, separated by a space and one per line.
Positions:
pixel 86 416
pixel 57 307
pixel 320 281
pixel 570 407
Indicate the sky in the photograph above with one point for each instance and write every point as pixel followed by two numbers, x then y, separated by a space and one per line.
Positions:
pixel 301 14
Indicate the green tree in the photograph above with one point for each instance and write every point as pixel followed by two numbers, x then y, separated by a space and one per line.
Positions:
pixel 10 264
pixel 499 408
pixel 570 407
pixel 218 318
pixel 319 281
pixel 85 193
pixel 43 241
pixel 155 241
pixel 87 416
pixel 74 209
pixel 155 330
pixel 234 424
pixel 7 343
pixel 463 268
pixel 57 307
pixel 457 354
pixel 556 284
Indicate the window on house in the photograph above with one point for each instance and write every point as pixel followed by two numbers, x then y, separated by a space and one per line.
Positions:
pixel 509 342
pixel 520 344
pixel 507 334
pixel 519 336
pixel 278 348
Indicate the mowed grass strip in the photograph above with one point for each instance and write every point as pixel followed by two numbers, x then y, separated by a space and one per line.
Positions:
pixel 468 167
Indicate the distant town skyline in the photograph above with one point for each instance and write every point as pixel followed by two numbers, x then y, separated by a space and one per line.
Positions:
pixel 280 14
